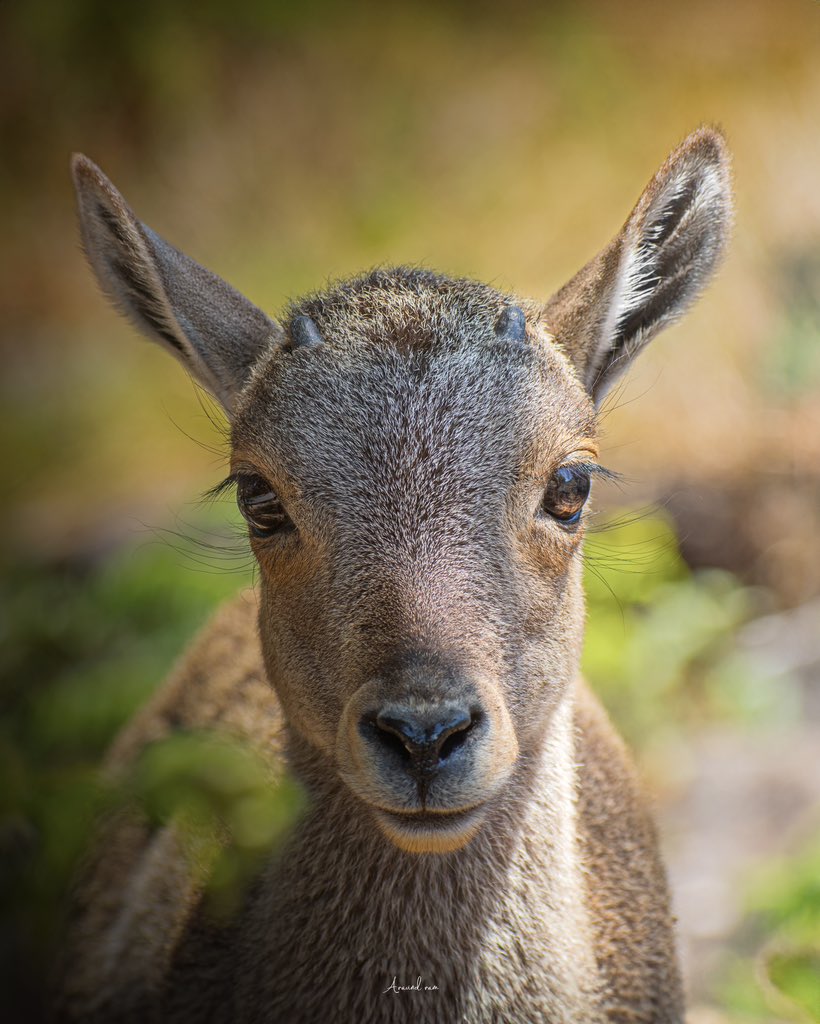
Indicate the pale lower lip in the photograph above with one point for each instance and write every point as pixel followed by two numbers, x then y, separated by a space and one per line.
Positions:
pixel 432 821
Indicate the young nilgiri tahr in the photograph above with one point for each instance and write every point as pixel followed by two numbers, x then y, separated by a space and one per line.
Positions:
pixel 413 456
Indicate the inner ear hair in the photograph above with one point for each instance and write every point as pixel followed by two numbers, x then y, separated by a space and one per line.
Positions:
pixel 653 270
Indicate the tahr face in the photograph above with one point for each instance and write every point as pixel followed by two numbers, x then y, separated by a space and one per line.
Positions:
pixel 415 494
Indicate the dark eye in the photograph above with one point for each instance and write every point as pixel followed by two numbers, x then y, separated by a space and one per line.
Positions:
pixel 260 506
pixel 566 494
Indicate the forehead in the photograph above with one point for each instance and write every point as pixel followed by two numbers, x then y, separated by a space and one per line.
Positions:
pixel 411 382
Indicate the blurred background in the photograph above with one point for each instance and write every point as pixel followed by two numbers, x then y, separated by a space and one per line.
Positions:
pixel 283 144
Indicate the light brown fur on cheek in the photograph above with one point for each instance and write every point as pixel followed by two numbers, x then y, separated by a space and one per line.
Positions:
pixel 541 648
pixel 291 610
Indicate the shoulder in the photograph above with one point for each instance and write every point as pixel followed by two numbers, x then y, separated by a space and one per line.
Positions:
pixel 218 683
pixel 626 882
pixel 137 892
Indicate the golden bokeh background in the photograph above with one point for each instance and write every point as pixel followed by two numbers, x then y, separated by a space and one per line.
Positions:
pixel 282 145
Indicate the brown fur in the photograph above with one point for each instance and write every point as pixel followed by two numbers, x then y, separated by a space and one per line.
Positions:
pixel 624 885
pixel 403 429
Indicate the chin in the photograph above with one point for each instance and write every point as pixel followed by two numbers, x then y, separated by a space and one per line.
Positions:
pixel 439 832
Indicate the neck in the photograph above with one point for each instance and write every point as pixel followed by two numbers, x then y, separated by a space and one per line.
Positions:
pixel 493 926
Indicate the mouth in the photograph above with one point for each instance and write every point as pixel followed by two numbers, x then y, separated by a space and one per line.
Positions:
pixel 430 831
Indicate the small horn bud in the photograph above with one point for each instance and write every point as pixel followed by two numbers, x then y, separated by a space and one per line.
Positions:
pixel 511 324
pixel 304 333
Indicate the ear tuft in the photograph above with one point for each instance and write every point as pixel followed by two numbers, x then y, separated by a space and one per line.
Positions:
pixel 678 233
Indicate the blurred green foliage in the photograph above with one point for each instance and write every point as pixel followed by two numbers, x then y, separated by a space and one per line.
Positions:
pixel 779 971
pixel 137 73
pixel 792 365
pixel 661 637
pixel 220 797
pixel 662 650
pixel 84 646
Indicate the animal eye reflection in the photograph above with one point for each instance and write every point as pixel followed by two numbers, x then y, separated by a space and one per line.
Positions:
pixel 261 508
pixel 566 494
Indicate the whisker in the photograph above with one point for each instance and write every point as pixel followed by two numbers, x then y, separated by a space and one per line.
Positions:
pixel 595 572
pixel 212 410
pixel 618 395
pixel 626 519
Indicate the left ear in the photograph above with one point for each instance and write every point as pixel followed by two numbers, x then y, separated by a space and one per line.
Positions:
pixel 653 270
pixel 216 333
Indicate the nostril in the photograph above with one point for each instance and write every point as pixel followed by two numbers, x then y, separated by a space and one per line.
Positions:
pixel 456 737
pixel 452 742
pixel 394 743
pixel 422 740
pixel 374 725
pixel 410 734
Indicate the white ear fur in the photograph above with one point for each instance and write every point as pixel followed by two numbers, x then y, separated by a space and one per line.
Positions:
pixel 653 270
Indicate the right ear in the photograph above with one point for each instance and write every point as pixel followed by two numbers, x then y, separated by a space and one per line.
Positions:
pixel 653 270
pixel 216 333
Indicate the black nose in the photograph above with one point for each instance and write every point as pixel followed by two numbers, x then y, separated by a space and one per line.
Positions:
pixel 424 741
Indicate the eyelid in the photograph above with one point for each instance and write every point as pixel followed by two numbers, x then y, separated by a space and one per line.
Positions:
pixel 261 499
pixel 593 468
pixel 590 465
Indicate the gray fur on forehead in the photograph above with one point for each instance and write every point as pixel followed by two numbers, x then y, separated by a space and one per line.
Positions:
pixel 381 413
pixel 406 337
pixel 406 351
pixel 405 306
